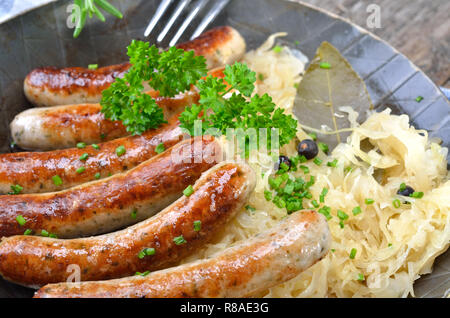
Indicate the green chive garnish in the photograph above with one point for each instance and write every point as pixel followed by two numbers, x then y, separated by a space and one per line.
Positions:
pixel 97 175
pixel 417 195
pixel 313 136
pixel 305 169
pixel 16 189
pixel 21 220
pixel 315 204
pixel 261 77
pixel 81 145
pixel 57 181
pixel 396 203
pixel 81 170
pixel 134 213
pixel 44 233
pixel 142 274
pixel 120 150
pixel 84 156
pixel 250 208
pixel 332 163
pixel 92 66
pixel 179 240
pixel 325 65
pixel 342 215
pixel 419 99
pixel 95 146
pixel 197 226
pixel 356 210
pixel 369 201
pixel 323 146
pixel 361 277
pixel 267 195
pixel 317 161
pixel 160 148
pixel 188 191
pixel 277 49
pixel 352 253
pixel 27 232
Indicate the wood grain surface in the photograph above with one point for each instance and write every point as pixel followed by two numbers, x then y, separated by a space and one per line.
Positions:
pixel 420 29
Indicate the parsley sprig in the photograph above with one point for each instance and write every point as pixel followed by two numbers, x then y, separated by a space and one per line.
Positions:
pixel 240 110
pixel 168 72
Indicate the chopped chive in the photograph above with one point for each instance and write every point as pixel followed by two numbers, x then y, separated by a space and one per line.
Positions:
pixel 142 274
pixel 81 170
pixel 179 240
pixel 188 191
pixel 303 159
pixel 267 195
pixel 417 195
pixel 419 99
pixel 84 156
pixel 317 161
pixel 95 146
pixel 396 203
pixel 402 186
pixel 341 224
pixel 134 213
pixel 390 245
pixel 148 251
pixel 352 253
pixel 305 169
pixel 27 232
pixel 160 148
pixel 332 163
pixel 325 65
pixel 92 66
pixel 348 169
pixel 313 136
pixel 57 181
pixel 342 215
pixel 250 208
pixel 315 204
pixel 21 220
pixel 97 175
pixel 120 150
pixel 81 145
pixel 296 85
pixel 356 210
pixel 369 201
pixel 322 195
pixel 16 189
pixel 297 42
pixel 44 233
pixel 308 195
pixel 277 49
pixel 197 225
pixel 325 210
pixel 333 250
pixel 52 235
pixel 261 77
pixel 323 146
pixel 361 277
pixel 102 136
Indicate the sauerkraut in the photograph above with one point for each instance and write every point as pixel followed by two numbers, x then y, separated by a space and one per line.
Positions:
pixel 394 246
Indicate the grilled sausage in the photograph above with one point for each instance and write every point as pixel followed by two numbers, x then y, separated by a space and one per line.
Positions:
pixel 59 127
pixel 218 195
pixel 105 205
pixel 35 171
pixel 50 86
pixel 251 267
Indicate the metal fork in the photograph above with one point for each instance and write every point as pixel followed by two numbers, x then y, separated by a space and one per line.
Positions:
pixel 182 4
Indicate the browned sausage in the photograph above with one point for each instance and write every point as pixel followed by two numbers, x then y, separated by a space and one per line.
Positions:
pixel 35 171
pixel 50 86
pixel 59 127
pixel 105 205
pixel 249 268
pixel 218 195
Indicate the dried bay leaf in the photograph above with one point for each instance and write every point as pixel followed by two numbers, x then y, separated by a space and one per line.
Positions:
pixel 323 91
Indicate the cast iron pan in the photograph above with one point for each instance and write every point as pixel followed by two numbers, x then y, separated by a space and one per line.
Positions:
pixel 41 38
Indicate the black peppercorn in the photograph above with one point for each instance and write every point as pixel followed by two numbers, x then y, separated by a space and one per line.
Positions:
pixel 308 148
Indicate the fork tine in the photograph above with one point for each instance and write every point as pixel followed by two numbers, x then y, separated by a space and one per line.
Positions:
pixel 210 16
pixel 188 20
pixel 158 14
pixel 172 19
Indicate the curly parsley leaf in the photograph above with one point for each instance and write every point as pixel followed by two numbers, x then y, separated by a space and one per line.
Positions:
pixel 168 72
pixel 239 110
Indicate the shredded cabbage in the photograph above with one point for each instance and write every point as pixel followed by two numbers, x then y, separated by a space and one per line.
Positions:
pixel 394 245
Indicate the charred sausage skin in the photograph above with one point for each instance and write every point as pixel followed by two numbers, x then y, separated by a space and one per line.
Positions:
pixel 218 195
pixel 249 268
pixel 105 205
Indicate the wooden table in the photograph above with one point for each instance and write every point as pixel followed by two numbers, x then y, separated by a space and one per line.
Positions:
pixel 420 29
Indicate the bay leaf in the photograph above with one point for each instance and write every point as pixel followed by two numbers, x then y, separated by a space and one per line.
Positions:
pixel 323 91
